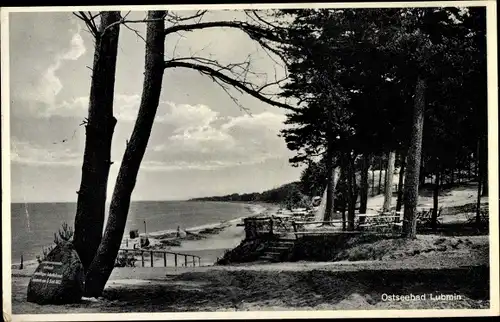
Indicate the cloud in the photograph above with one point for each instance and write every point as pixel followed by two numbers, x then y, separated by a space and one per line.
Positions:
pixel 49 85
pixel 27 153
pixel 183 117
pixel 184 137
pixel 221 142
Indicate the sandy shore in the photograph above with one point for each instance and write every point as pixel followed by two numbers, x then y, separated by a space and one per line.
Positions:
pixel 340 285
pixel 208 241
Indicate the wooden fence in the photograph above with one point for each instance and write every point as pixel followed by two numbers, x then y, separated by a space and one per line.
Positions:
pixel 273 226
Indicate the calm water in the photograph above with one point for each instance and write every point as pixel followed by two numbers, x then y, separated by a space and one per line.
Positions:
pixel 34 224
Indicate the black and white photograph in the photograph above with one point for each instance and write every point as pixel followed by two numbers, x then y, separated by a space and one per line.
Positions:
pixel 250 161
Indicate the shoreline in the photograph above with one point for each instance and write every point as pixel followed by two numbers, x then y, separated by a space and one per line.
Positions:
pixel 205 235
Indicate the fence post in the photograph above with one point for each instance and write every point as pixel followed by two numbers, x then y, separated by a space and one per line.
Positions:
pixel 271 227
pixel 185 260
pixel 151 253
pixel 199 261
pixel 165 259
pixel 22 264
pixel 175 260
pixel 142 258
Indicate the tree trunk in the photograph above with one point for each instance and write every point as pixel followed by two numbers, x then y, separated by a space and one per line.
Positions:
pixel 469 176
pixel 343 180
pixel 476 166
pixel 344 217
pixel 422 171
pixel 380 177
pixel 351 194
pixel 389 174
pixel 91 201
pixel 373 180
pixel 436 201
pixel 103 263
pixel 399 201
pixel 479 183
pixel 365 164
pixel 413 162
pixel 484 184
pixel 330 188
pixel 484 167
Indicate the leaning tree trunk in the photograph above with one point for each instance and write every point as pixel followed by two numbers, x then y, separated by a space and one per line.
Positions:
pixel 399 201
pixel 413 162
pixel 435 200
pixel 91 202
pixel 389 174
pixel 365 164
pixel 104 261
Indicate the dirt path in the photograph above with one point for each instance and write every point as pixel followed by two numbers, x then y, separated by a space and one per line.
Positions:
pixel 270 288
pixel 286 286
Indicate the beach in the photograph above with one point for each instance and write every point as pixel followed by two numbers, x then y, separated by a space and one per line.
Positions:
pixel 431 266
pixel 208 241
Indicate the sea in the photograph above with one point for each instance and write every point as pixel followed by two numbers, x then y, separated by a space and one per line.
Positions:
pixel 33 224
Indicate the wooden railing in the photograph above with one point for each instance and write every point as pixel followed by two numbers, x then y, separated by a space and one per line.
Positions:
pixel 191 261
pixel 270 226
pixel 266 227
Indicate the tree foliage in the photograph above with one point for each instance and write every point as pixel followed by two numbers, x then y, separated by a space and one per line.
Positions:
pixel 354 74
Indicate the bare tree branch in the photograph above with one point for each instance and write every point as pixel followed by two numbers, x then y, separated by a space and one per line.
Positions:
pixel 138 34
pixel 89 22
pixel 175 18
pixel 261 35
pixel 245 87
pixel 241 70
pixel 255 31
pixel 231 96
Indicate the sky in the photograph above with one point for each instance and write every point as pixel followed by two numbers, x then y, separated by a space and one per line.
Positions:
pixel 202 142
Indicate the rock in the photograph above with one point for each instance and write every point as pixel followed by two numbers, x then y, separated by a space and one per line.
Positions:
pixel 59 278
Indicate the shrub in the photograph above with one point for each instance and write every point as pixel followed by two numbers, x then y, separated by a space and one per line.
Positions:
pixel 64 234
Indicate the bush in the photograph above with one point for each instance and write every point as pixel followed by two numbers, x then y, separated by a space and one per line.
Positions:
pixel 64 234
